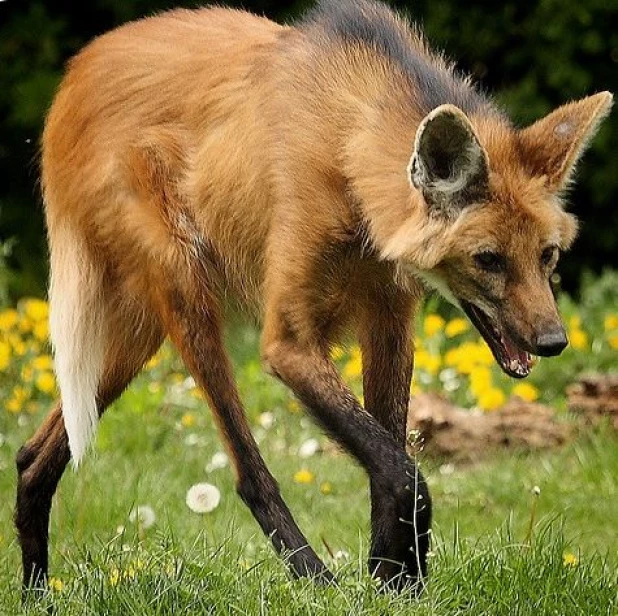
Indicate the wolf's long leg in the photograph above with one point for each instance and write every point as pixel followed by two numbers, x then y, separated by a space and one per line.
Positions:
pixel 386 342
pixel 396 484
pixel 42 460
pixel 194 325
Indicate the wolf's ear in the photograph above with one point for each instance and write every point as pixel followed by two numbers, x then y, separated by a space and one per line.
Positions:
pixel 449 165
pixel 552 146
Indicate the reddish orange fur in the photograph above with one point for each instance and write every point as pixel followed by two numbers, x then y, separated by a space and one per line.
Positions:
pixel 139 113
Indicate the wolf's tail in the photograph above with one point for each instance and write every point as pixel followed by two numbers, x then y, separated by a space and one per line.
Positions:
pixel 78 333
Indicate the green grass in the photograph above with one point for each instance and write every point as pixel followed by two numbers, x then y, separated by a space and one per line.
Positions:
pixel 484 561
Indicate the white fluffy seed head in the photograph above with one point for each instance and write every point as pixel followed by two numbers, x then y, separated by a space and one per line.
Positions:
pixel 143 515
pixel 203 498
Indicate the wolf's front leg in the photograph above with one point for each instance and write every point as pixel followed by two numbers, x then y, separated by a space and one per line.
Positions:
pixel 400 527
pixel 386 338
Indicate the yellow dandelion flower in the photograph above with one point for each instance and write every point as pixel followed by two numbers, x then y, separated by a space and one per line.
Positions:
pixel 41 331
pixel 19 347
pixel 578 339
pixel 433 324
pixel 433 364
pixel 484 355
pixel 196 392
pixel 304 476
pixel 293 406
pixel 56 584
pixel 5 355
pixel 354 366
pixel 8 319
pixel 575 322
pixel 36 309
pixel 130 573
pixel 114 577
pixel 18 397
pixel 326 488
pixel 188 420
pixel 613 341
pixel 43 362
pixel 525 391
pixel 570 560
pixel 468 356
pixel 154 361
pixel 337 353
pixel 610 322
pixel 27 372
pixel 455 327
pixel 451 357
pixel 427 361
pixel 13 405
pixel 480 380
pixel 46 383
pixel 25 325
pixel 491 399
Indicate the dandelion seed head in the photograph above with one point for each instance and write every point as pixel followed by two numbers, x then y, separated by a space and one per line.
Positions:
pixel 447 469
pixel 192 439
pixel 309 448
pixel 266 420
pixel 218 460
pixel 143 515
pixel 203 498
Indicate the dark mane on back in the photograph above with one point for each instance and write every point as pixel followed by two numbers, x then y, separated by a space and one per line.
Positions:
pixel 376 26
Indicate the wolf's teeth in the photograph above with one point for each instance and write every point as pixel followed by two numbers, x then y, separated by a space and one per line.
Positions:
pixel 514 365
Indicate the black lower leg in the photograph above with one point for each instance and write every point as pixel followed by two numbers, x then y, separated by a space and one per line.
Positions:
pixel 400 525
pixel 261 494
pixel 401 507
pixel 385 337
pixel 40 465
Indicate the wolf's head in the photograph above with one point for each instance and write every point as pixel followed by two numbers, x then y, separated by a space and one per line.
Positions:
pixel 493 225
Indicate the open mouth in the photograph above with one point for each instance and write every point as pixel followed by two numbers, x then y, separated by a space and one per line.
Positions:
pixel 515 361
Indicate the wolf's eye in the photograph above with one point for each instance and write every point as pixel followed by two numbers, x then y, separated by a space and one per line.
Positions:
pixel 550 254
pixel 490 261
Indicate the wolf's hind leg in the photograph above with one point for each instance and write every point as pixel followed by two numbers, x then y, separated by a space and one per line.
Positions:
pixel 131 340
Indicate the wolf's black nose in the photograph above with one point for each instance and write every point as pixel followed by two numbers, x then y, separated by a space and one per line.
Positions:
pixel 551 342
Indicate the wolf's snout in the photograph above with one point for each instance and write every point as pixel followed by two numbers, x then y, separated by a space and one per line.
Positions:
pixel 551 342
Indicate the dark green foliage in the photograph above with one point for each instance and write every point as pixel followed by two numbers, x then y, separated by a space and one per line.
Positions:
pixel 533 55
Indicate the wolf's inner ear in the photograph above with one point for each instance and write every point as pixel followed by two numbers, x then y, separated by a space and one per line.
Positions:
pixel 552 146
pixel 449 165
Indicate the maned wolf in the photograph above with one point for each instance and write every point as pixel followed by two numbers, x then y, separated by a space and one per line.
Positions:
pixel 320 174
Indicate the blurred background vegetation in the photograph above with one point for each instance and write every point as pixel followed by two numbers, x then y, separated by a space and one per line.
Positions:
pixel 532 55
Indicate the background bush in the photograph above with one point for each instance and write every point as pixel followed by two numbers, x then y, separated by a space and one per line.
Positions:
pixel 532 55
